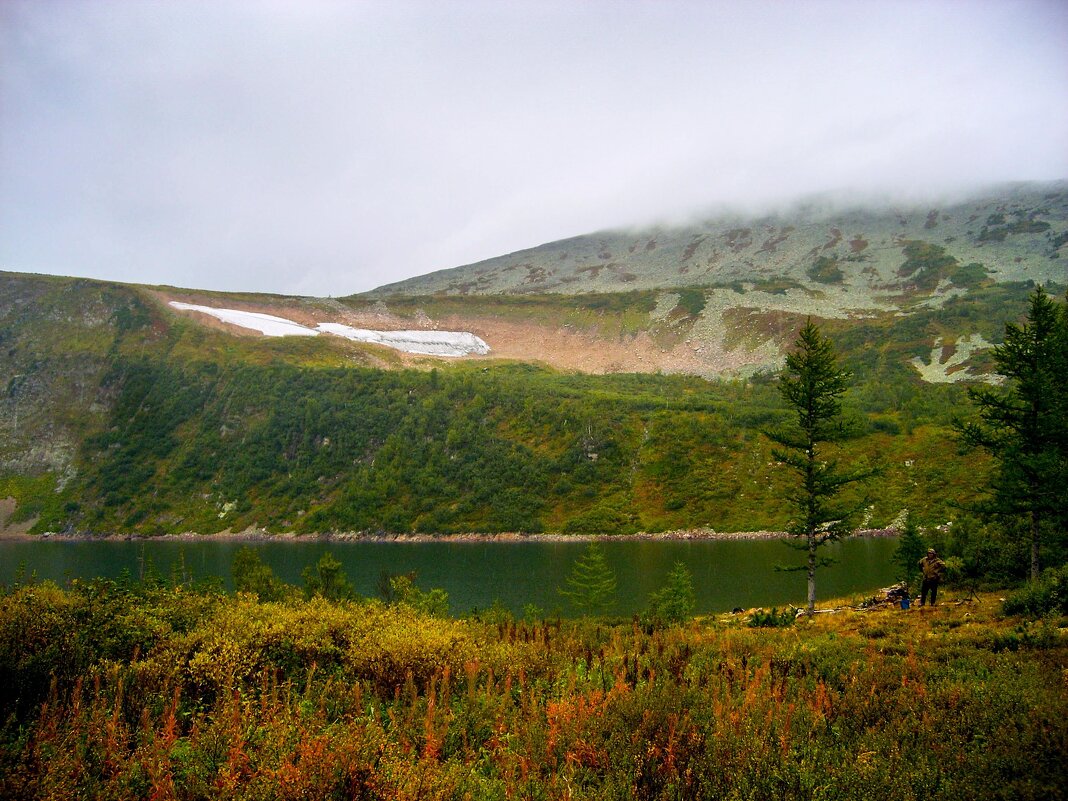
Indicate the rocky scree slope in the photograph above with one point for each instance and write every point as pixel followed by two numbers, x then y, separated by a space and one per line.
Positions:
pixel 844 259
pixel 723 297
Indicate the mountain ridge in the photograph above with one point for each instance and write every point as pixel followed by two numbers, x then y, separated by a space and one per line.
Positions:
pixel 1022 224
pixel 593 411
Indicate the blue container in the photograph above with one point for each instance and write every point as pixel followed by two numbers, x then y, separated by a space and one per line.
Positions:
pixel 905 603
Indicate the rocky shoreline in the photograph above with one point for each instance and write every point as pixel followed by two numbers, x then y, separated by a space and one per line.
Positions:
pixel 262 535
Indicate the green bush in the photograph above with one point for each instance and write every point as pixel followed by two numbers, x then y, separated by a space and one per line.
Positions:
pixel 1048 595
pixel 691 301
pixel 925 264
pixel 771 619
pixel 826 271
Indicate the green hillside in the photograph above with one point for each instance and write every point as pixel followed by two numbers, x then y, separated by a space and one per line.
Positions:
pixel 131 418
pixel 620 407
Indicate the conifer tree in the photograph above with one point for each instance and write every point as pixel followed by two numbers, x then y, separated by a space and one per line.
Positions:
pixel 674 602
pixel 327 579
pixel 812 384
pixel 1024 424
pixel 591 585
pixel 911 546
pixel 252 575
pixel 433 602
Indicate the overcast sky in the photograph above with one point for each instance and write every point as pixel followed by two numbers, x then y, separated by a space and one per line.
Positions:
pixel 330 147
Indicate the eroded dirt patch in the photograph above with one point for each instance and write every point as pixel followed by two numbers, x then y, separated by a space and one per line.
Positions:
pixel 563 347
pixel 9 529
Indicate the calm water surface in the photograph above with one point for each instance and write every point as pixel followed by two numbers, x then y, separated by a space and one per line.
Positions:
pixel 475 574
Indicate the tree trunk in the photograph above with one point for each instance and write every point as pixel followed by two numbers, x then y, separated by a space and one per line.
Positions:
pixel 811 574
pixel 1036 536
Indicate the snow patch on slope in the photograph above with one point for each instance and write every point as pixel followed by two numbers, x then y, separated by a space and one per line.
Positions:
pixel 430 343
pixel 266 324
pixel 427 343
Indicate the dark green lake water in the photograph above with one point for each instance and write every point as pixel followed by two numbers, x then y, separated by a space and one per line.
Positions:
pixel 726 573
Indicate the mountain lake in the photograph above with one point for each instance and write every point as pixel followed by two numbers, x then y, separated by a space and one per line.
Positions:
pixel 727 573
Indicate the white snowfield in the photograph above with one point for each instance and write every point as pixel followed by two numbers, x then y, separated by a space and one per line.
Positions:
pixel 266 324
pixel 429 343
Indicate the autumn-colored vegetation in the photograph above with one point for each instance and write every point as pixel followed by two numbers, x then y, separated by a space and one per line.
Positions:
pixel 124 691
pixel 117 689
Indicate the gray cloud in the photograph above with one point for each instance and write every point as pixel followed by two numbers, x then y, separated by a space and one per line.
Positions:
pixel 327 148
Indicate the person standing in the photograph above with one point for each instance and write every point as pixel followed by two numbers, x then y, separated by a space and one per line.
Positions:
pixel 933 569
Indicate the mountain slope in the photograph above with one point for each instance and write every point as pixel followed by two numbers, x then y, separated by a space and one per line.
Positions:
pixel 125 415
pixel 723 297
pixel 846 259
pixel 591 412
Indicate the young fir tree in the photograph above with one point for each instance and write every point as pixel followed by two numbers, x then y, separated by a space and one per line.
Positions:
pixel 812 384
pixel 433 602
pixel 250 574
pixel 1024 424
pixel 911 547
pixel 591 586
pixel 674 602
pixel 327 579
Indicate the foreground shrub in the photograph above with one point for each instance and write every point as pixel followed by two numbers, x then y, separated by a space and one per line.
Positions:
pixel 235 698
pixel 1047 595
pixel 773 618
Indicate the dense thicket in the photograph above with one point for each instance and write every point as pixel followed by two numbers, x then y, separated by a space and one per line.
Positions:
pixel 203 447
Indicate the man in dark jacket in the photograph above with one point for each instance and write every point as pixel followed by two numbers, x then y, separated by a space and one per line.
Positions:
pixel 933 569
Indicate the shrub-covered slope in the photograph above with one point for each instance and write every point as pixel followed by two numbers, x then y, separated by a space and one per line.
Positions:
pixel 182 427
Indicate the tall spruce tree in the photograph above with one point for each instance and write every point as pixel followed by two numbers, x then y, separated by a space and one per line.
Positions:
pixel 812 384
pixel 1024 423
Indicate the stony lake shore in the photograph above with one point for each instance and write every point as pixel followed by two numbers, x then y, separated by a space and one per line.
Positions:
pixel 262 535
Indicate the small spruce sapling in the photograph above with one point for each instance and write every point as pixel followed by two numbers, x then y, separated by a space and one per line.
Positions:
pixel 911 547
pixel 591 585
pixel 434 602
pixel 327 579
pixel 674 602
pixel 251 575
